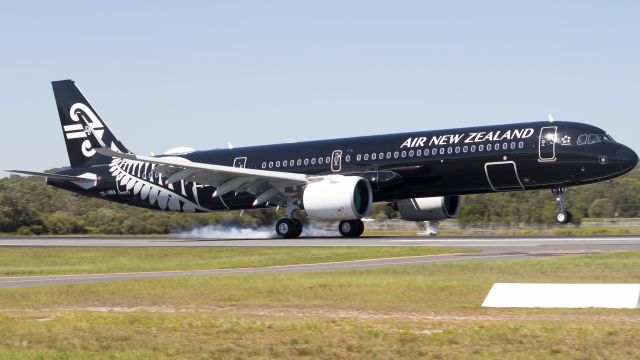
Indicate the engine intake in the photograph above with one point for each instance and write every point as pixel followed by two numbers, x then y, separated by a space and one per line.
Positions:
pixel 429 209
pixel 338 197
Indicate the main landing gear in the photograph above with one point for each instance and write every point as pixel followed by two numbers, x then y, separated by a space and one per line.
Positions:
pixel 563 216
pixel 291 227
pixel 351 228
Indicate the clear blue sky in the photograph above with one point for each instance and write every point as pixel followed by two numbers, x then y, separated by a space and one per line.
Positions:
pixel 166 73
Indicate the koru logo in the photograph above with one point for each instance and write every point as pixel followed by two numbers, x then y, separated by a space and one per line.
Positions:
pixel 79 130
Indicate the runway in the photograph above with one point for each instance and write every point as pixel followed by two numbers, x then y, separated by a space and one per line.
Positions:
pixel 493 249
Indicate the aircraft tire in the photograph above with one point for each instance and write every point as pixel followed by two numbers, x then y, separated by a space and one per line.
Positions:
pixel 299 227
pixel 563 217
pixel 351 228
pixel 286 228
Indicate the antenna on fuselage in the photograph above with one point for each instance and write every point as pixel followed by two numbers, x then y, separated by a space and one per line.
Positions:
pixel 550 117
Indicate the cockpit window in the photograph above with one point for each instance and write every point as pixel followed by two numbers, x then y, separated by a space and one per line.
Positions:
pixel 582 139
pixel 607 138
pixel 593 138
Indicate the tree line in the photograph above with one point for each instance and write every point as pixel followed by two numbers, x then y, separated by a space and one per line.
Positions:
pixel 29 207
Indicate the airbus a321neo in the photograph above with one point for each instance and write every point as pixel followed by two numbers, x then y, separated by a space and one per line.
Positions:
pixel 421 174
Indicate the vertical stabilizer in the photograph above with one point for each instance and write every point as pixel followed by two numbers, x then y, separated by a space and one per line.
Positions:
pixel 75 111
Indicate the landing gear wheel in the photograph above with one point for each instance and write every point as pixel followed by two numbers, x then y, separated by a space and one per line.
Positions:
pixel 298 231
pixel 351 228
pixel 563 217
pixel 287 228
pixel 559 192
pixel 360 228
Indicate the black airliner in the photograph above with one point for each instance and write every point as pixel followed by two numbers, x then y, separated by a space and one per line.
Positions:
pixel 421 174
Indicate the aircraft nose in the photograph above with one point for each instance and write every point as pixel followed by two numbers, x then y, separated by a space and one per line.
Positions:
pixel 627 156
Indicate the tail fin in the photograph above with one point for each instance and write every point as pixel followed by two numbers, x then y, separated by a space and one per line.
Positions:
pixel 75 111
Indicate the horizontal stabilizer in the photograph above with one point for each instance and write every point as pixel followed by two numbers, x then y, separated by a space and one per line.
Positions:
pixel 86 181
pixel 51 176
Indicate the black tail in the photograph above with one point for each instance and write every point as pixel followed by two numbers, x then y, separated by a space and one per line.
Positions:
pixel 72 106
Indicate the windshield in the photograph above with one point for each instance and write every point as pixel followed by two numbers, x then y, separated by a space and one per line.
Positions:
pixel 594 138
pixel 607 138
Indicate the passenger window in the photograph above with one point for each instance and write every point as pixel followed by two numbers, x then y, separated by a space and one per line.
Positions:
pixel 582 139
pixel 434 151
pixel 457 149
pixel 441 151
pixel 449 150
pixel 411 153
pixel 358 157
pixel 513 145
pixel 404 154
pixel 278 163
pixel 366 157
pixel 313 161
pixel 284 163
pixel 373 156
pixel 504 146
pixel 426 152
pixel 270 164
pixel 381 156
pixel 328 160
pixel 520 144
pixel 473 148
pixel 306 161
pixel 264 165
pixel 465 149
pixel 389 155
pixel 489 147
pixel 347 158
pixel 299 162
pixel 320 161
pixel 419 153
pixel 291 163
pixel 481 147
pixel 593 138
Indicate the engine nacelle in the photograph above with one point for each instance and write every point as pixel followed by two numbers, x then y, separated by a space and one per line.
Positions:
pixel 429 209
pixel 338 197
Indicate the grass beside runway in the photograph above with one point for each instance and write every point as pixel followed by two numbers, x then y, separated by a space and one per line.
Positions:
pixel 401 312
pixel 24 261
pixel 85 335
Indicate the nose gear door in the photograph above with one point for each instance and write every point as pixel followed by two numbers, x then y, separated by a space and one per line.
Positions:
pixel 547 143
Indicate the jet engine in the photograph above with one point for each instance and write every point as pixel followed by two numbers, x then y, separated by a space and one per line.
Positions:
pixel 429 209
pixel 338 197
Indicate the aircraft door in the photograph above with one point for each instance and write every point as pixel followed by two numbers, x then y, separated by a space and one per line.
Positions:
pixel 336 160
pixel 240 162
pixel 547 143
pixel 503 176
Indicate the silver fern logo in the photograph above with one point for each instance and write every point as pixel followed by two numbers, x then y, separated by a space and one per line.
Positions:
pixel 139 179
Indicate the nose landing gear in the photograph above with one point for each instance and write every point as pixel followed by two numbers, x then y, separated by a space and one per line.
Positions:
pixel 563 216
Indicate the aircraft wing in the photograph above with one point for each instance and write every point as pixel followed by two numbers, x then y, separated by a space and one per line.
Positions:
pixel 268 186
